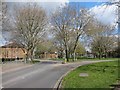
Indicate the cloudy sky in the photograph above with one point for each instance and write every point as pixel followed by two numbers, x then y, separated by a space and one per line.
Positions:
pixel 106 14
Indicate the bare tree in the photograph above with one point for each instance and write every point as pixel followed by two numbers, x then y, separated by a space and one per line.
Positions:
pixel 61 21
pixel 3 16
pixel 102 39
pixel 3 11
pixel 6 22
pixel 30 21
pixel 82 19
pixel 102 45
pixel 58 44
pixel 69 24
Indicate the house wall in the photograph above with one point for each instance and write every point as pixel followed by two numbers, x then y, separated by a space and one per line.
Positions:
pixel 48 55
pixel 12 53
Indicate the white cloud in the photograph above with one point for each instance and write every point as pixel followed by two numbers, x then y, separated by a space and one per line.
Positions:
pixel 48 5
pixel 36 1
pixel 52 6
pixel 116 36
pixel 107 14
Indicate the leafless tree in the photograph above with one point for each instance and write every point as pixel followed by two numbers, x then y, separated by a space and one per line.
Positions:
pixel 6 21
pixel 3 11
pixel 69 24
pixel 102 39
pixel 3 16
pixel 30 21
pixel 81 21
pixel 102 45
pixel 61 20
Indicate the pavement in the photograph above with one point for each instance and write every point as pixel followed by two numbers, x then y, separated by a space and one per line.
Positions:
pixel 42 75
pixel 13 65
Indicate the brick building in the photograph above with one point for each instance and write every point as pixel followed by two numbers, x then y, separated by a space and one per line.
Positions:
pixel 12 51
pixel 48 55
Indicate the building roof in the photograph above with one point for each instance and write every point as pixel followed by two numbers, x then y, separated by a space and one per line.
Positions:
pixel 12 45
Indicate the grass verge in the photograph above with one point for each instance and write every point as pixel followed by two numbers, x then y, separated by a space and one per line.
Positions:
pixel 34 61
pixel 100 75
pixel 83 59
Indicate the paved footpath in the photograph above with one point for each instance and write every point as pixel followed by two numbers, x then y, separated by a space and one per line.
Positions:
pixel 11 66
pixel 41 75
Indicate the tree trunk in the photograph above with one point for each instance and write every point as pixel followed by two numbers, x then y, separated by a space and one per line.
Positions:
pixel 66 52
pixel 74 56
pixel 99 55
pixel 26 56
pixel 31 54
pixel 70 55
pixel 76 43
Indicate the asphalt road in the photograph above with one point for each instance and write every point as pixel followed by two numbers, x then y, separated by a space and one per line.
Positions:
pixel 41 75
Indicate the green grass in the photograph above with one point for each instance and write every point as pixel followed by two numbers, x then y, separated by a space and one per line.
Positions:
pixel 58 59
pixel 84 58
pixel 101 75
pixel 35 61
pixel 95 59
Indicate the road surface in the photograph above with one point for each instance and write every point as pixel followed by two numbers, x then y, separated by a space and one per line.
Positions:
pixel 41 75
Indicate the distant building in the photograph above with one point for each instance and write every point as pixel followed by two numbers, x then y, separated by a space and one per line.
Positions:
pixel 12 51
pixel 89 54
pixel 48 55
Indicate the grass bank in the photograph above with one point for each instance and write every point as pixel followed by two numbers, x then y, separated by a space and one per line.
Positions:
pixel 83 59
pixel 97 59
pixel 100 75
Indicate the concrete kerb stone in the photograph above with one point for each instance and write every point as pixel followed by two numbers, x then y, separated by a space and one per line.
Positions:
pixel 60 80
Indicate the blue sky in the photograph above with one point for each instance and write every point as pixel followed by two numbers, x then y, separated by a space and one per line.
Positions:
pixel 87 4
